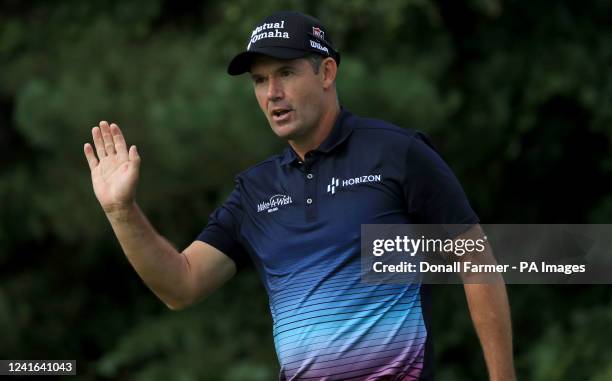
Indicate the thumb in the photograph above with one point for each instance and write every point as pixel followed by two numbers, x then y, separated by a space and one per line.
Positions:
pixel 133 154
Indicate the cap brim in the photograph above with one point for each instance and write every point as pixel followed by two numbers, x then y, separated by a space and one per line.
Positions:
pixel 242 62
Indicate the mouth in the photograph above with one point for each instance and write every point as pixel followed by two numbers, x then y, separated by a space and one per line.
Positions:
pixel 279 115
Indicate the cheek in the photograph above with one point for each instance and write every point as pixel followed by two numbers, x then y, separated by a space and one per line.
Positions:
pixel 311 101
pixel 261 100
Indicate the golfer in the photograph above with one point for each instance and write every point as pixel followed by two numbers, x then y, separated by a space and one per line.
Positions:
pixel 297 217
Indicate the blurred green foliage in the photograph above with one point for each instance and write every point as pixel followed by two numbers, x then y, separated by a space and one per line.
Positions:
pixel 515 94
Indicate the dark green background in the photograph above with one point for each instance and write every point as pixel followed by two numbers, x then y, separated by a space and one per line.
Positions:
pixel 515 94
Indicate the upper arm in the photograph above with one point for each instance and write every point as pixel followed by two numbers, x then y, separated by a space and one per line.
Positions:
pixel 208 268
pixel 477 257
pixel 213 257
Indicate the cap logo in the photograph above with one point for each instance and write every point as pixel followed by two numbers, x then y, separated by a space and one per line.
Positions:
pixel 318 33
pixel 265 31
pixel 318 46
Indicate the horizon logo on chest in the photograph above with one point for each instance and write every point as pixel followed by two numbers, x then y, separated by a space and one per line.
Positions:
pixel 265 31
pixel 337 183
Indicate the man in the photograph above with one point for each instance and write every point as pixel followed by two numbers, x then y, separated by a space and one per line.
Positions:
pixel 297 217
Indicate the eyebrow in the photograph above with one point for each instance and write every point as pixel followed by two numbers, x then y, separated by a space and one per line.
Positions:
pixel 284 67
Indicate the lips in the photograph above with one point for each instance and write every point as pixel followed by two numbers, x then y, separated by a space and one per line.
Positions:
pixel 281 114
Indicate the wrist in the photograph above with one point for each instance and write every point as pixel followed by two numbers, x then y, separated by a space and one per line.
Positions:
pixel 119 208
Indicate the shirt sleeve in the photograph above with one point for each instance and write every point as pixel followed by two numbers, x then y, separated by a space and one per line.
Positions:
pixel 223 229
pixel 433 193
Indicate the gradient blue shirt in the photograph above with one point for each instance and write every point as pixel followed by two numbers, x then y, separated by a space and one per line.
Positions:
pixel 299 222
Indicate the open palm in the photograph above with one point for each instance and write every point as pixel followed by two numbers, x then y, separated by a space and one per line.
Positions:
pixel 115 170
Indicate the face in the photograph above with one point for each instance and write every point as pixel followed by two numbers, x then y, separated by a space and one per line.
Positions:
pixel 290 95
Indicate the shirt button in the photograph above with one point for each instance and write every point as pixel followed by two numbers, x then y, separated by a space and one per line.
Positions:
pixel 309 176
pixel 309 201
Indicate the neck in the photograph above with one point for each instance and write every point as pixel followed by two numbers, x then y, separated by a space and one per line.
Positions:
pixel 314 140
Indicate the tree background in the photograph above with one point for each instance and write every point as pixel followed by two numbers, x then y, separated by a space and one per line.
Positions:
pixel 516 95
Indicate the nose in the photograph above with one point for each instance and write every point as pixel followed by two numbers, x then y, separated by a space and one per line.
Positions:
pixel 275 89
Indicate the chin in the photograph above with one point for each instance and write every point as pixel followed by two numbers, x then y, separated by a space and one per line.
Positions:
pixel 285 131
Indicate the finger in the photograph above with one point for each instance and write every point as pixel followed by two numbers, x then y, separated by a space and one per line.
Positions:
pixel 134 156
pixel 98 142
pixel 109 146
pixel 119 140
pixel 90 156
pixel 92 160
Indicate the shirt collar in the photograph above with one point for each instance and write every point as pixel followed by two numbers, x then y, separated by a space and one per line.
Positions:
pixel 338 134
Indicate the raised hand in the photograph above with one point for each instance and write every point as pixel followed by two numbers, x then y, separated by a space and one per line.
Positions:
pixel 114 172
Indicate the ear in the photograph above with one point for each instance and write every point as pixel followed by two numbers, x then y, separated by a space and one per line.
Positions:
pixel 328 69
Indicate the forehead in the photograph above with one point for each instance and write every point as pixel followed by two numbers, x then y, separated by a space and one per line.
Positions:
pixel 263 64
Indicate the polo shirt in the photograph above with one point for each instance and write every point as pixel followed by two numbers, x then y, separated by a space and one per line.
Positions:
pixel 299 222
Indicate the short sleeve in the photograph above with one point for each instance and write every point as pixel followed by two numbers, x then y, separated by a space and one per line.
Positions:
pixel 433 193
pixel 223 229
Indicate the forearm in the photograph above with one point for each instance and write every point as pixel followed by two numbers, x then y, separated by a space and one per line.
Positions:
pixel 488 305
pixel 163 269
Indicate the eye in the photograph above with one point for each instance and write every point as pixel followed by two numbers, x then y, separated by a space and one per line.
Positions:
pixel 285 73
pixel 258 80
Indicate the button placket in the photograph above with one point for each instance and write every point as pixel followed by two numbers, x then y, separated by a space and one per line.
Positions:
pixel 310 191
